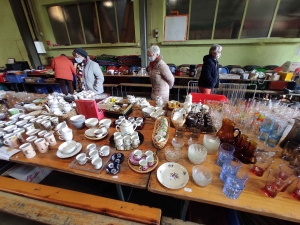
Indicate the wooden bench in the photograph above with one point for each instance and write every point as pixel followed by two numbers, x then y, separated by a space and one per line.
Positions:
pixel 71 199
pixel 112 86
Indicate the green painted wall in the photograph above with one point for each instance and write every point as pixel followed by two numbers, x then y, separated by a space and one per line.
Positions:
pixel 11 43
pixel 241 52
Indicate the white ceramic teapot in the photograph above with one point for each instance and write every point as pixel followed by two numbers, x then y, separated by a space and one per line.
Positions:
pixel 126 127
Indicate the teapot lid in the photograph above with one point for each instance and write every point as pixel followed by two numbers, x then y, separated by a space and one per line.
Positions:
pixel 126 123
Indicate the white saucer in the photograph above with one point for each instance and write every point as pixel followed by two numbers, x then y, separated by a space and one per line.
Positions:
pixel 61 155
pixel 90 132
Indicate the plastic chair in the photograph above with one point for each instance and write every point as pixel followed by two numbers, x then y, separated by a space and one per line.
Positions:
pixel 192 87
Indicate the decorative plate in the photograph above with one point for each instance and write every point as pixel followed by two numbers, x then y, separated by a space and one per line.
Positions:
pixel 61 155
pixel 172 175
pixel 136 168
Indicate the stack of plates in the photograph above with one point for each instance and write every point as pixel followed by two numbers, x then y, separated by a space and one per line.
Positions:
pixel 62 155
pixel 89 134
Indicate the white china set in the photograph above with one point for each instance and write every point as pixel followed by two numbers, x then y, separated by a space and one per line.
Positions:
pixel 93 154
pixel 126 137
pixel 57 105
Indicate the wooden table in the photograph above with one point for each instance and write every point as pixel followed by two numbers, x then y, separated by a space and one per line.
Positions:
pixel 252 199
pixel 126 176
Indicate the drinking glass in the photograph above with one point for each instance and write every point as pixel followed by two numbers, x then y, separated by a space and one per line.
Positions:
pixel 225 153
pixel 273 184
pixel 177 142
pixel 296 191
pixel 266 127
pixel 284 172
pixel 263 161
pixel 276 132
pixel 211 143
pixel 234 185
pixel 230 168
pixel 288 150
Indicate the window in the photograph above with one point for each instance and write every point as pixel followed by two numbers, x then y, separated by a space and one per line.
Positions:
pixel 93 22
pixel 234 19
pixel 287 22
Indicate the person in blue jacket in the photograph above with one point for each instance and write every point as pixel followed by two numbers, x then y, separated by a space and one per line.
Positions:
pixel 209 77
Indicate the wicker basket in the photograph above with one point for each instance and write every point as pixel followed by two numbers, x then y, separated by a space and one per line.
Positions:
pixel 159 145
pixel 175 123
pixel 63 117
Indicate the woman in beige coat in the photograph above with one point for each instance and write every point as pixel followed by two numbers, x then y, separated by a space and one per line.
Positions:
pixel 160 74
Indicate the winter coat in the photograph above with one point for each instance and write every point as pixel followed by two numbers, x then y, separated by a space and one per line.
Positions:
pixel 93 77
pixel 63 68
pixel 209 77
pixel 162 79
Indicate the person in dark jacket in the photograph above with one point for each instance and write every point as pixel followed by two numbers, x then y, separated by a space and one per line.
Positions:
pixel 209 77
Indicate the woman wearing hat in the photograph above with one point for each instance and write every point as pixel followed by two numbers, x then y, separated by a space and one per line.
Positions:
pixel 91 75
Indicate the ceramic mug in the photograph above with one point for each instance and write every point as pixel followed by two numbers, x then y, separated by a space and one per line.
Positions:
pixel 20 132
pixel 10 129
pixel 29 126
pixel 42 133
pixel 13 111
pixel 11 140
pixel 28 150
pixel 46 124
pixel 31 140
pixel 119 141
pixel 50 139
pixel 42 145
pixel 54 120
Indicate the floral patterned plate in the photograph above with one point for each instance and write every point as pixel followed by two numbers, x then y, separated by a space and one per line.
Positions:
pixel 172 175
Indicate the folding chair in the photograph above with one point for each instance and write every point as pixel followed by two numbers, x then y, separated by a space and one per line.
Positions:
pixel 192 87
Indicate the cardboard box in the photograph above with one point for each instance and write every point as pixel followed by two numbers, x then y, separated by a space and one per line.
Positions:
pixel 27 173
pixel 286 76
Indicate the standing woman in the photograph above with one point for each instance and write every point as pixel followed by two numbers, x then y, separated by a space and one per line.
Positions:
pixel 92 76
pixel 160 74
pixel 64 70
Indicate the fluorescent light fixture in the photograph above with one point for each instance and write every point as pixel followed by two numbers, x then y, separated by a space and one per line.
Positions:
pixel 108 4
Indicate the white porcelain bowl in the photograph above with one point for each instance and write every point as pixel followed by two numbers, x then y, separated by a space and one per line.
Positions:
pixel 91 122
pixel 147 111
pixel 77 119
pixel 67 147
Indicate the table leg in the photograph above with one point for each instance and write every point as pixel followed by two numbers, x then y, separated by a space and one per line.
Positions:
pixel 184 209
pixel 120 192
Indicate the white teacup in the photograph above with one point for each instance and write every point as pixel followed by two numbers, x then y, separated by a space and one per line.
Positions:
pixel 61 126
pixel 104 150
pixel 81 159
pixel 54 120
pixel 91 147
pixel 119 141
pixel 137 154
pixel 100 132
pixel 21 123
pixel 149 153
pixel 94 154
pixel 105 122
pixel 117 135
pixel 143 162
pixel 97 162
pixel 135 140
pixel 127 140
pixel 28 150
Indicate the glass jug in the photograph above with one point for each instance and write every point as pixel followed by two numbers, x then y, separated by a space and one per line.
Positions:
pixel 227 133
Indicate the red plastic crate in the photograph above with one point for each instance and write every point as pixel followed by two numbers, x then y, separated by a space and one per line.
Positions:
pixel 277 85
pixel 2 78
pixel 199 97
